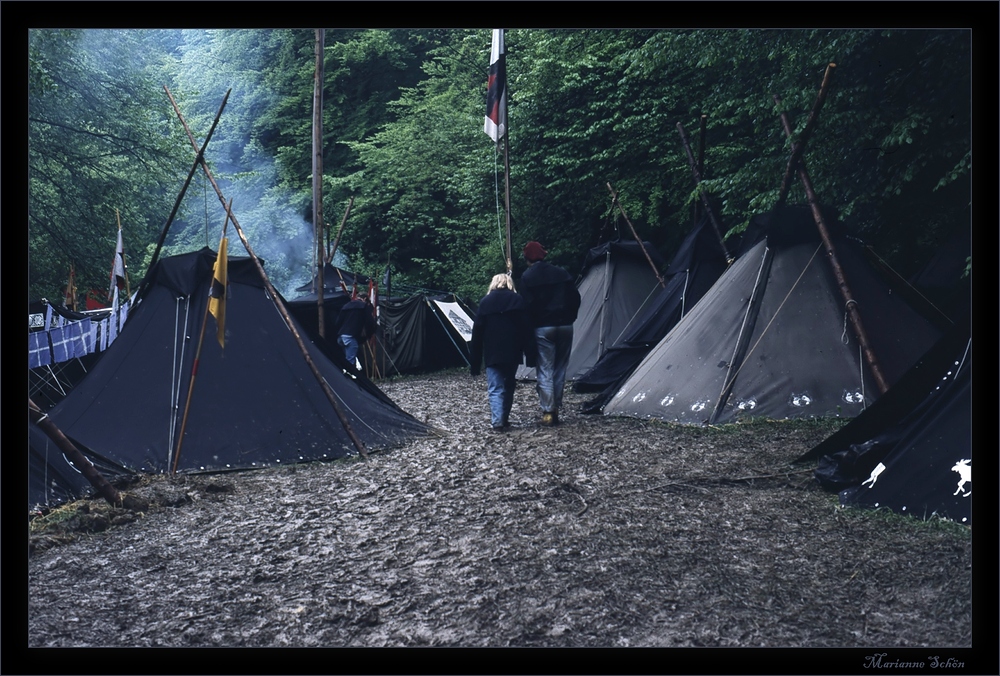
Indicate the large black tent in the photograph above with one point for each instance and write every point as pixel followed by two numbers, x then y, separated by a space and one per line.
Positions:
pixel 254 403
pixel 910 451
pixel 616 285
pixel 695 266
pixel 772 337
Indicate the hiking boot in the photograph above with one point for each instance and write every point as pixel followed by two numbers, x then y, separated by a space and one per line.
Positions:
pixel 550 419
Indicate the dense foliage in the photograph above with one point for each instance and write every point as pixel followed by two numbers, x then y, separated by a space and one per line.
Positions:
pixel 402 128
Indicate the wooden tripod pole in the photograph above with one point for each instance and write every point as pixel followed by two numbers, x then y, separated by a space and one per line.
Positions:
pixel 80 461
pixel 702 195
pixel 799 145
pixel 850 305
pixel 276 299
pixel 187 182
pixel 343 221
pixel 614 201
pixel 197 354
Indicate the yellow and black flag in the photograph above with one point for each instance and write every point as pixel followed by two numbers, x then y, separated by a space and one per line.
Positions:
pixel 217 294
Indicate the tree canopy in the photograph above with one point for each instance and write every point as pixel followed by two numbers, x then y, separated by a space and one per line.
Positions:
pixel 402 136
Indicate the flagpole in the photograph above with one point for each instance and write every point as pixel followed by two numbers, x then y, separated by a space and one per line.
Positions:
pixel 506 171
pixel 197 354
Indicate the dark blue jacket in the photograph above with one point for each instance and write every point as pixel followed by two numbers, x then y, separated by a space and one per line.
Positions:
pixel 357 319
pixel 501 332
pixel 551 295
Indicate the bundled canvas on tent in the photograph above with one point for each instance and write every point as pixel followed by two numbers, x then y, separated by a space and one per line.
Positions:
pixel 255 402
pixel 910 451
pixel 694 268
pixel 616 284
pixel 773 339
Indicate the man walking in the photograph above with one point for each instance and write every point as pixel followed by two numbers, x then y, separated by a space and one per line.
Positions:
pixel 553 302
pixel 355 324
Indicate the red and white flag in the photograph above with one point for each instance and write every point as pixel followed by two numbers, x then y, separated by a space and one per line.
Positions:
pixel 496 90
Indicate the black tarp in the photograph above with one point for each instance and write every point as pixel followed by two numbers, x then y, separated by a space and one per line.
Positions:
pixel 908 450
pixel 771 338
pixel 414 336
pixel 695 266
pixel 255 403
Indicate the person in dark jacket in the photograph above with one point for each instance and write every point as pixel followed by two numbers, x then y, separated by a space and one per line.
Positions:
pixel 355 324
pixel 553 302
pixel 500 335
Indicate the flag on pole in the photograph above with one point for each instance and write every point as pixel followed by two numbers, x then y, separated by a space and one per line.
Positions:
pixel 118 268
pixel 496 90
pixel 217 294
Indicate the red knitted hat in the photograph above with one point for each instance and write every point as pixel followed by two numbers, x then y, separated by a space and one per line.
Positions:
pixel 533 251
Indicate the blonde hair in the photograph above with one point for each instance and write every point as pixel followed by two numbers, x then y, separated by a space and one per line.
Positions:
pixel 501 281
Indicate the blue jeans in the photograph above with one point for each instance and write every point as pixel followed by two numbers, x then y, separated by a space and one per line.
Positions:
pixel 500 383
pixel 350 344
pixel 554 344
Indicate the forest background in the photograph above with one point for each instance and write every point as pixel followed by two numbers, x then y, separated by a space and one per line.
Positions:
pixel 403 138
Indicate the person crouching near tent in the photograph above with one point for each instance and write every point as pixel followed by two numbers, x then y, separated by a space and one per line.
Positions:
pixel 355 324
pixel 553 303
pixel 501 334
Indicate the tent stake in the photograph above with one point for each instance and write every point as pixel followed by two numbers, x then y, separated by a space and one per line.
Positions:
pixel 276 298
pixel 850 305
pixel 614 201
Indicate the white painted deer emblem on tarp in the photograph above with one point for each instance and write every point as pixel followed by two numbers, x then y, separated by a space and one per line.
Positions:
pixel 879 468
pixel 964 469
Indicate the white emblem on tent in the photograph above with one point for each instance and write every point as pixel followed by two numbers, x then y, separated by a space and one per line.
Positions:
pixel 879 468
pixel 639 397
pixel 667 400
pixel 800 399
pixel 747 404
pixel 964 469
pixel 853 397
pixel 699 405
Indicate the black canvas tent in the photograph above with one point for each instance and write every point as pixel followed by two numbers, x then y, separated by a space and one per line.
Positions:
pixel 616 285
pixel 910 451
pixel 254 403
pixel 305 305
pixel 772 339
pixel 695 266
pixel 419 333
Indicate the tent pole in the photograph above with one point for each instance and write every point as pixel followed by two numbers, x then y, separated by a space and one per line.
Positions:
pixel 850 305
pixel 799 145
pixel 187 182
pixel 506 180
pixel 197 354
pixel 614 201
pixel 701 193
pixel 276 298
pixel 336 241
pixel 80 461
pixel 317 171
pixel 701 159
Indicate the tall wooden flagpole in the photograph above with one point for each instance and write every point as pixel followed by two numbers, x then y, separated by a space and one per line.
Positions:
pixel 495 124
pixel 317 171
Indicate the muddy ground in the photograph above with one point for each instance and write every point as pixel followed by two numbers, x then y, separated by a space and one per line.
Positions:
pixel 600 533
